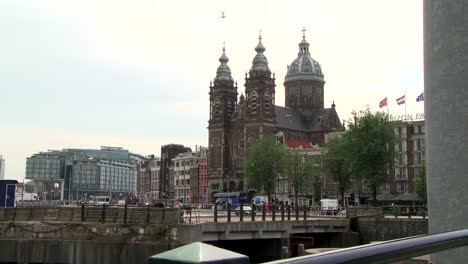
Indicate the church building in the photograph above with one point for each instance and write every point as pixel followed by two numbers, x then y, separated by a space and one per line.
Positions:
pixel 237 122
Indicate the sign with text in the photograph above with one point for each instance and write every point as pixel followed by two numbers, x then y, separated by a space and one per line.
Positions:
pixel 407 117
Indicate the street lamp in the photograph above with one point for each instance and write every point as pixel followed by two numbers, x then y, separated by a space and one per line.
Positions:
pixel 69 184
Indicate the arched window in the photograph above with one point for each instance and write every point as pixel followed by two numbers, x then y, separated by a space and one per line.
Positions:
pixel 217 110
pixel 253 102
pixel 230 108
pixel 306 66
pixel 267 98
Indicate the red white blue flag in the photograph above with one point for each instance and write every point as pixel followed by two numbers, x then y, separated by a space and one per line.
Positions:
pixel 400 100
pixel 383 103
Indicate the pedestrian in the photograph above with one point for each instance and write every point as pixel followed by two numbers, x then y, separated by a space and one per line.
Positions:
pixel 265 207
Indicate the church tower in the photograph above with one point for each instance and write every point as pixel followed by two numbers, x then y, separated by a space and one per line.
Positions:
pixel 223 100
pixel 304 81
pixel 260 94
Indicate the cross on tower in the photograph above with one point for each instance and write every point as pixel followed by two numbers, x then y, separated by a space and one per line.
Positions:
pixel 303 32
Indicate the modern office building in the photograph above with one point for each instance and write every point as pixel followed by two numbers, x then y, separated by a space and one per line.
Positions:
pixel 80 173
pixel 2 168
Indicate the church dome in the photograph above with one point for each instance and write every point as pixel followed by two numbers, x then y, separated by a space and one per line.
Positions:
pixel 223 73
pixel 304 67
pixel 260 62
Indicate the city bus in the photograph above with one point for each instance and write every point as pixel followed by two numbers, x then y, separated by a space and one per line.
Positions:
pixel 234 198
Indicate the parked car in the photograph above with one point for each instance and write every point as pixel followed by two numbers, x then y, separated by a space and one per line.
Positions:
pixel 247 210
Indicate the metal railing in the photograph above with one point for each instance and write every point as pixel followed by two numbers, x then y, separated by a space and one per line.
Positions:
pixel 251 212
pixel 389 251
pixel 126 214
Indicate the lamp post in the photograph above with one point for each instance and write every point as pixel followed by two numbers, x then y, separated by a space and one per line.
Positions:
pixel 69 185
pixel 110 191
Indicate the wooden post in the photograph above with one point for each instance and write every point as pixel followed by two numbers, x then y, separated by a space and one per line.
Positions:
pixel 82 212
pixel 253 212
pixel 103 215
pixel 282 212
pixel 229 212
pixel 263 212
pixel 241 216
pixel 125 214
pixel 148 213
pixel 216 212
pixel 273 213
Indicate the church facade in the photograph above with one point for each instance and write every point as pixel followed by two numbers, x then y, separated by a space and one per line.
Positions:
pixel 236 122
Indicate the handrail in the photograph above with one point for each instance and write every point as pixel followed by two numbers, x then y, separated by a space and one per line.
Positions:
pixel 389 251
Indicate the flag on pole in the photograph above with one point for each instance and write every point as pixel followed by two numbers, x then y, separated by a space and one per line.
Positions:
pixel 401 100
pixel 420 97
pixel 383 103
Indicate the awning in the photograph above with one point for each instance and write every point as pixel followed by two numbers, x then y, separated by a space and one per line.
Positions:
pixel 198 252
pixel 384 197
pixel 408 197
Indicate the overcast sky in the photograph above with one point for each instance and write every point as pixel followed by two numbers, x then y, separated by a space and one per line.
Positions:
pixel 136 74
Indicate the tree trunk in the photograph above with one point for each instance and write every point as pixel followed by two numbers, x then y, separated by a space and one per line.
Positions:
pixel 342 197
pixel 374 195
pixel 295 197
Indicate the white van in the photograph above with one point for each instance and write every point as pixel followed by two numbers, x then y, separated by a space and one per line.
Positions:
pixel 100 200
pixel 329 206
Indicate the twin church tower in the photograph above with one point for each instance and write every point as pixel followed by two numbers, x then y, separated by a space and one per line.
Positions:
pixel 238 122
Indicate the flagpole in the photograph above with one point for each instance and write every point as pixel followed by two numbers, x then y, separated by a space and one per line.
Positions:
pixel 388 112
pixel 405 105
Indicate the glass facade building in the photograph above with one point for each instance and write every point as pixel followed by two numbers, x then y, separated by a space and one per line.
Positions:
pixel 76 174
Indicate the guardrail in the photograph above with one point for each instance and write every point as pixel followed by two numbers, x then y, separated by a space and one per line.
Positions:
pixel 386 252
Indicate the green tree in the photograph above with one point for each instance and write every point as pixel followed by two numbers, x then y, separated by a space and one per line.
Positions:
pixel 299 171
pixel 264 160
pixel 421 184
pixel 337 164
pixel 371 148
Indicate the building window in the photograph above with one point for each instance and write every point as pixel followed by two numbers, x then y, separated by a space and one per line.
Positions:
pixel 267 103
pixel 253 103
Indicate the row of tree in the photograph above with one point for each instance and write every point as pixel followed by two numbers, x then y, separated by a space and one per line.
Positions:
pixel 365 152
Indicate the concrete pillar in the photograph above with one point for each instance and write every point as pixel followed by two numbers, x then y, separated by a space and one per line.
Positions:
pixel 284 252
pixel 446 109
pixel 300 250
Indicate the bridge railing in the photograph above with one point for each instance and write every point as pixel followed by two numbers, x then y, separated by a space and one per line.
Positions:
pixel 93 213
pixel 387 252
pixel 251 212
pixel 227 213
